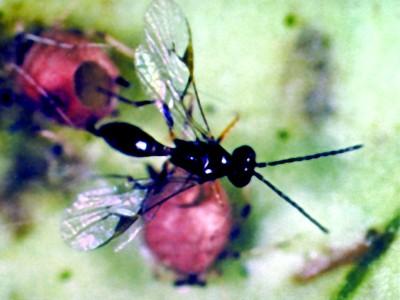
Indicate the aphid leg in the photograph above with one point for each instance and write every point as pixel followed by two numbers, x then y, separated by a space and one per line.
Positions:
pixel 120 46
pixel 228 128
pixel 43 93
pixel 45 41
pixel 245 211
pixel 167 170
pixel 135 103
pixel 122 82
pixel 153 174
pixel 190 279
pixel 57 140
pixel 54 43
pixel 229 254
pixel 160 176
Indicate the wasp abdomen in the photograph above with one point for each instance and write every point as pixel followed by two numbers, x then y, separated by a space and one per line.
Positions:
pixel 131 140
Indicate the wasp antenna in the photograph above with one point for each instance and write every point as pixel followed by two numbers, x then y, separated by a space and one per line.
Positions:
pixel 309 157
pixel 291 202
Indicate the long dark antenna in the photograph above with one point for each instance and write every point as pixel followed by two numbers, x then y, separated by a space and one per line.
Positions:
pixel 291 202
pixel 309 157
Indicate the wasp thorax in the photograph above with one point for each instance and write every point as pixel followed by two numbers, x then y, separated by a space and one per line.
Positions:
pixel 243 164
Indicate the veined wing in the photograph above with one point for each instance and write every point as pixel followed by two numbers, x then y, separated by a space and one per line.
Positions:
pixel 165 63
pixel 97 216
pixel 100 215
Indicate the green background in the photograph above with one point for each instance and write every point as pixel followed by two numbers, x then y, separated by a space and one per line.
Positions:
pixel 304 76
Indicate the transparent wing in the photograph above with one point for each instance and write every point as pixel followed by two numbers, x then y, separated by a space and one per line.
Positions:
pixel 164 63
pixel 99 215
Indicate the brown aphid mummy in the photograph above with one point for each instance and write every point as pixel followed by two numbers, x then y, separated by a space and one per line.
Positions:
pixel 318 264
pixel 63 71
pixel 189 231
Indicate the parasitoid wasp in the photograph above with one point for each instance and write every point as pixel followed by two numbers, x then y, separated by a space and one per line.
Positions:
pixel 164 63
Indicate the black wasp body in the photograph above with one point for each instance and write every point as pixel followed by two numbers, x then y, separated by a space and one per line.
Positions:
pixel 204 160
pixel 164 64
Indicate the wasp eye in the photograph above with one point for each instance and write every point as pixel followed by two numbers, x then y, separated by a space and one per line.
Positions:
pixel 244 154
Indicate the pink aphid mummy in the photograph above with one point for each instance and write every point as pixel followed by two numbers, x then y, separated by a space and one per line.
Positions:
pixel 188 232
pixel 61 73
